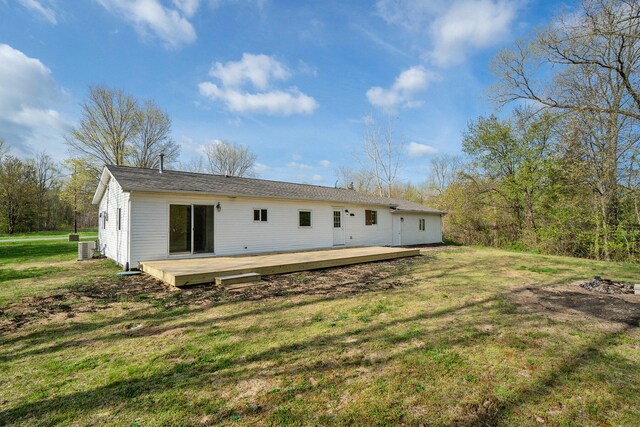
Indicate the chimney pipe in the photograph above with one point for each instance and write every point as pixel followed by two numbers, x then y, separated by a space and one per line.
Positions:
pixel 161 162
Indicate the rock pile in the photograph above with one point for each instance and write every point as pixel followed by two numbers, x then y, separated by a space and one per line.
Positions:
pixel 606 286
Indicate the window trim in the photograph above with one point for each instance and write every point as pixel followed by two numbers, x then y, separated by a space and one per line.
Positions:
pixel 339 218
pixel 373 217
pixel 310 218
pixel 260 215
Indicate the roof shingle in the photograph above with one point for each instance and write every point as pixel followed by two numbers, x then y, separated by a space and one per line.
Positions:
pixel 151 180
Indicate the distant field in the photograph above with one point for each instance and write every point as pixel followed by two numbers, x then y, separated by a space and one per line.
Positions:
pixel 84 232
pixel 461 336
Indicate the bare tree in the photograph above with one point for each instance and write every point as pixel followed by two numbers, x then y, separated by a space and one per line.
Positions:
pixel 153 137
pixel 4 149
pixel 445 169
pixel 194 165
pixel 230 158
pixel 358 180
pixel 110 119
pixel 381 151
pixel 47 174
pixel 603 38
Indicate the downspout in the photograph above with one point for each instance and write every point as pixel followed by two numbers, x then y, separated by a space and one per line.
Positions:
pixel 128 267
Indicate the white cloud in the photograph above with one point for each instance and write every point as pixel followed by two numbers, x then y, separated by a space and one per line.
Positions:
pixel 44 11
pixel 28 94
pixel 317 178
pixel 454 29
pixel 258 70
pixel 275 102
pixel 188 7
pixel 325 163
pixel 150 17
pixel 470 25
pixel 246 86
pixel 307 69
pixel 418 150
pixel 298 165
pixel 402 93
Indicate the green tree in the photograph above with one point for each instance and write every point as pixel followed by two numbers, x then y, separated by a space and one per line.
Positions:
pixel 79 188
pixel 17 194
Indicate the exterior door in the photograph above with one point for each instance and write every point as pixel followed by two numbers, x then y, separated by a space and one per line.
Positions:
pixel 202 229
pixel 397 231
pixel 338 227
pixel 190 229
pixel 179 229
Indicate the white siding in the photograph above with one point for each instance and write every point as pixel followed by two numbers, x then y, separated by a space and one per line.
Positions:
pixel 434 228
pixel 411 233
pixel 113 242
pixel 235 232
pixel 357 233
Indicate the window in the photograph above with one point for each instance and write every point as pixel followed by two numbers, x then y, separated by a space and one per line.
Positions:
pixel 260 215
pixel 370 217
pixel 104 220
pixel 304 218
pixel 337 219
pixel 421 224
pixel 119 219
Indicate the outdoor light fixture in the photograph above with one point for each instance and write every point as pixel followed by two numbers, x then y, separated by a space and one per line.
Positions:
pixel 218 207
pixel 401 219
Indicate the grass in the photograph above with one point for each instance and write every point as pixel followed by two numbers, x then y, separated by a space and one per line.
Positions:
pixel 455 346
pixel 48 233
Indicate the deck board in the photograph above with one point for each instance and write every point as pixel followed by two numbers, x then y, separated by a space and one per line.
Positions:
pixel 181 272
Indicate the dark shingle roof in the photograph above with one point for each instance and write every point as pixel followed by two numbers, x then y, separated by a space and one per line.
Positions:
pixel 138 179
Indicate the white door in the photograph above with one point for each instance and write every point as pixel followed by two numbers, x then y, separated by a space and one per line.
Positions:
pixel 338 227
pixel 397 231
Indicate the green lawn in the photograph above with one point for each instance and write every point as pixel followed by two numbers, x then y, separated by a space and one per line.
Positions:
pixel 466 336
pixel 58 233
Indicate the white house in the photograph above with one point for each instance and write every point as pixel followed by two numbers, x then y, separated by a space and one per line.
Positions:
pixel 147 214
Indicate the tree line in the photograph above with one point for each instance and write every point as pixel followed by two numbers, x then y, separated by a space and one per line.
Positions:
pixel 115 128
pixel 556 169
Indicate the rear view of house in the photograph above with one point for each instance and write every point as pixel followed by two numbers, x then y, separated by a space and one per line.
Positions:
pixel 146 214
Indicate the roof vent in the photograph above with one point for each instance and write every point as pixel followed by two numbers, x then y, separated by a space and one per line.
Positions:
pixel 161 162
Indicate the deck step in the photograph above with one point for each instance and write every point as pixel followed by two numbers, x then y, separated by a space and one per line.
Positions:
pixel 234 281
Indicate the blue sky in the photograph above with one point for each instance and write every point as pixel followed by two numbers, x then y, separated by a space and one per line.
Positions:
pixel 290 79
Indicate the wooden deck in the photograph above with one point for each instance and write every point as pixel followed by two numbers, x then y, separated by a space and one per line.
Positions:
pixel 181 272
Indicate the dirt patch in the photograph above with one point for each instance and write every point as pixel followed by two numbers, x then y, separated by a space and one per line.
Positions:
pixel 89 298
pixel 100 294
pixel 572 302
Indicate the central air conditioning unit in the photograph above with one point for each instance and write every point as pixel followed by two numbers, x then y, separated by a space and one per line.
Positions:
pixel 85 250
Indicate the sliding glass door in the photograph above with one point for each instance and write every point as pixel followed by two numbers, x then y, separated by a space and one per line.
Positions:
pixel 202 229
pixel 179 229
pixel 190 229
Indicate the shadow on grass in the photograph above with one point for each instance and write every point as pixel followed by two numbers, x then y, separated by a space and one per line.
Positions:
pixel 593 354
pixel 229 364
pixel 190 374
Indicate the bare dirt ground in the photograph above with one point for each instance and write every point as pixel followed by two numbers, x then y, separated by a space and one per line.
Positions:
pixel 572 302
pixel 98 295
